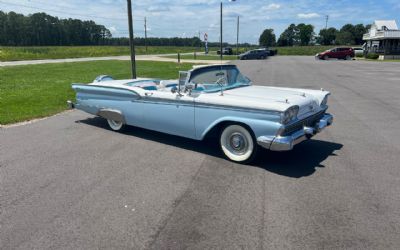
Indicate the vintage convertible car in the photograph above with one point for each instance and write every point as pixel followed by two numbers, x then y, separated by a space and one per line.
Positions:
pixel 209 99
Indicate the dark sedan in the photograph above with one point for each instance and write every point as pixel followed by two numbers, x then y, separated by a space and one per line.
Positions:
pixel 254 54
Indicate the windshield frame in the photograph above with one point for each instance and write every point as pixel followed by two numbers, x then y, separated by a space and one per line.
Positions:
pixel 226 86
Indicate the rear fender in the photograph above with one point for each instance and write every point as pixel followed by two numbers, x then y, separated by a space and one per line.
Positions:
pixel 112 114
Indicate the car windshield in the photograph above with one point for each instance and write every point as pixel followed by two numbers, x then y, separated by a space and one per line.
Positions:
pixel 213 79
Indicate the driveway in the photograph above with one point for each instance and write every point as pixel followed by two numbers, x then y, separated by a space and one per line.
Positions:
pixel 68 182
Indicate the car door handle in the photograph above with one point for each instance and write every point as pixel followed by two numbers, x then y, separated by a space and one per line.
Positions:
pixel 148 93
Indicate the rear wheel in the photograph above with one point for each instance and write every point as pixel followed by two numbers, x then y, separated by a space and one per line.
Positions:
pixel 238 144
pixel 348 57
pixel 115 125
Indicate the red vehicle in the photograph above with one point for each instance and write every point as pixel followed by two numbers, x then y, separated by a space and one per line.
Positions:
pixel 346 53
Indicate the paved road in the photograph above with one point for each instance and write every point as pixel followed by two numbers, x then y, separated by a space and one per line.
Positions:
pixel 68 182
pixel 160 58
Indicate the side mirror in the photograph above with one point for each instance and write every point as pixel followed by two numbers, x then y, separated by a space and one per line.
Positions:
pixel 174 90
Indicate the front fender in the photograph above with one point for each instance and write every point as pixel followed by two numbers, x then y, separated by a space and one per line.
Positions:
pixel 258 126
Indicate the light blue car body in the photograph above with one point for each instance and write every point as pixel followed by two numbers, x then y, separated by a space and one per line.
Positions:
pixel 193 114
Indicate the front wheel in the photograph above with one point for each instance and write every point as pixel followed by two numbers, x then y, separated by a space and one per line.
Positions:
pixel 115 125
pixel 238 144
pixel 348 57
pixel 326 57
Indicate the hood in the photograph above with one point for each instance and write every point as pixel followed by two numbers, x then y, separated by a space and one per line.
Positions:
pixel 268 98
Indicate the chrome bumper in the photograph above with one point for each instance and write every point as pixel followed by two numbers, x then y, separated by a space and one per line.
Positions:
pixel 285 143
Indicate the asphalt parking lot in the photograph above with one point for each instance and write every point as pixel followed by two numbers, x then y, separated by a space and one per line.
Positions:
pixel 68 182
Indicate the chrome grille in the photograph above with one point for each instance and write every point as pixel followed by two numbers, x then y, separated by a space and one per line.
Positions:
pixel 308 121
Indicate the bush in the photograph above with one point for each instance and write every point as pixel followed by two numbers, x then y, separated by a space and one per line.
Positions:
pixel 372 56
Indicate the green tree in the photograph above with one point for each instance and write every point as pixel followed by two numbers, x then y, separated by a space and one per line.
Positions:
pixel 288 36
pixel 305 33
pixel 327 36
pixel 359 31
pixel 267 38
pixel 346 35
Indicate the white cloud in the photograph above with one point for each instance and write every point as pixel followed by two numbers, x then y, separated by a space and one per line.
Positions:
pixel 159 8
pixel 113 29
pixel 272 6
pixel 308 15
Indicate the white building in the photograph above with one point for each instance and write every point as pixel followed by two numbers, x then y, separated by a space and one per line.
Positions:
pixel 384 39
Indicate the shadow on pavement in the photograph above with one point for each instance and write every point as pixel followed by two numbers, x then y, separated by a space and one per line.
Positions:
pixel 301 161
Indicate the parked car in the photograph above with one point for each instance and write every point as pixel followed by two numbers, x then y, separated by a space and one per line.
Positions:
pixel 226 51
pixel 358 51
pixel 339 53
pixel 207 100
pixel 272 52
pixel 254 54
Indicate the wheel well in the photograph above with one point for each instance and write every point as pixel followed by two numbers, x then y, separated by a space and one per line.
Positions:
pixel 215 131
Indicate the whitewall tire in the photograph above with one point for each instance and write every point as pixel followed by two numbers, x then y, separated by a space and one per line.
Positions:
pixel 115 125
pixel 238 144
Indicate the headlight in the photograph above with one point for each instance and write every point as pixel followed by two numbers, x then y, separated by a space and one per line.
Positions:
pixel 290 114
pixel 324 101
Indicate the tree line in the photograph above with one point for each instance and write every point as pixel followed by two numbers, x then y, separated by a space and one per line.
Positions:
pixel 173 41
pixel 42 29
pixel 303 34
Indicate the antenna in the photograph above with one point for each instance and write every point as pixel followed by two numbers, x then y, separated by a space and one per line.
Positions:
pixel 326 21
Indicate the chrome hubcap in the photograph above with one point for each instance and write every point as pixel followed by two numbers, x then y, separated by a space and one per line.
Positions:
pixel 238 143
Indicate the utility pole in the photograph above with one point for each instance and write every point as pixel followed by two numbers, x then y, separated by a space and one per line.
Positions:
pixel 237 36
pixel 326 21
pixel 131 41
pixel 145 33
pixel 220 43
pixel 200 42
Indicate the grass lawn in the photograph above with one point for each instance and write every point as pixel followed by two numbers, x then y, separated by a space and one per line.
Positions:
pixel 35 91
pixel 302 50
pixel 57 52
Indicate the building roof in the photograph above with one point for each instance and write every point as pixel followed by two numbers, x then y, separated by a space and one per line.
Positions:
pixel 383 29
pixel 389 24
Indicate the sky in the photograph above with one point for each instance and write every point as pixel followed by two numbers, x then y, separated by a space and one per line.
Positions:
pixel 186 18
